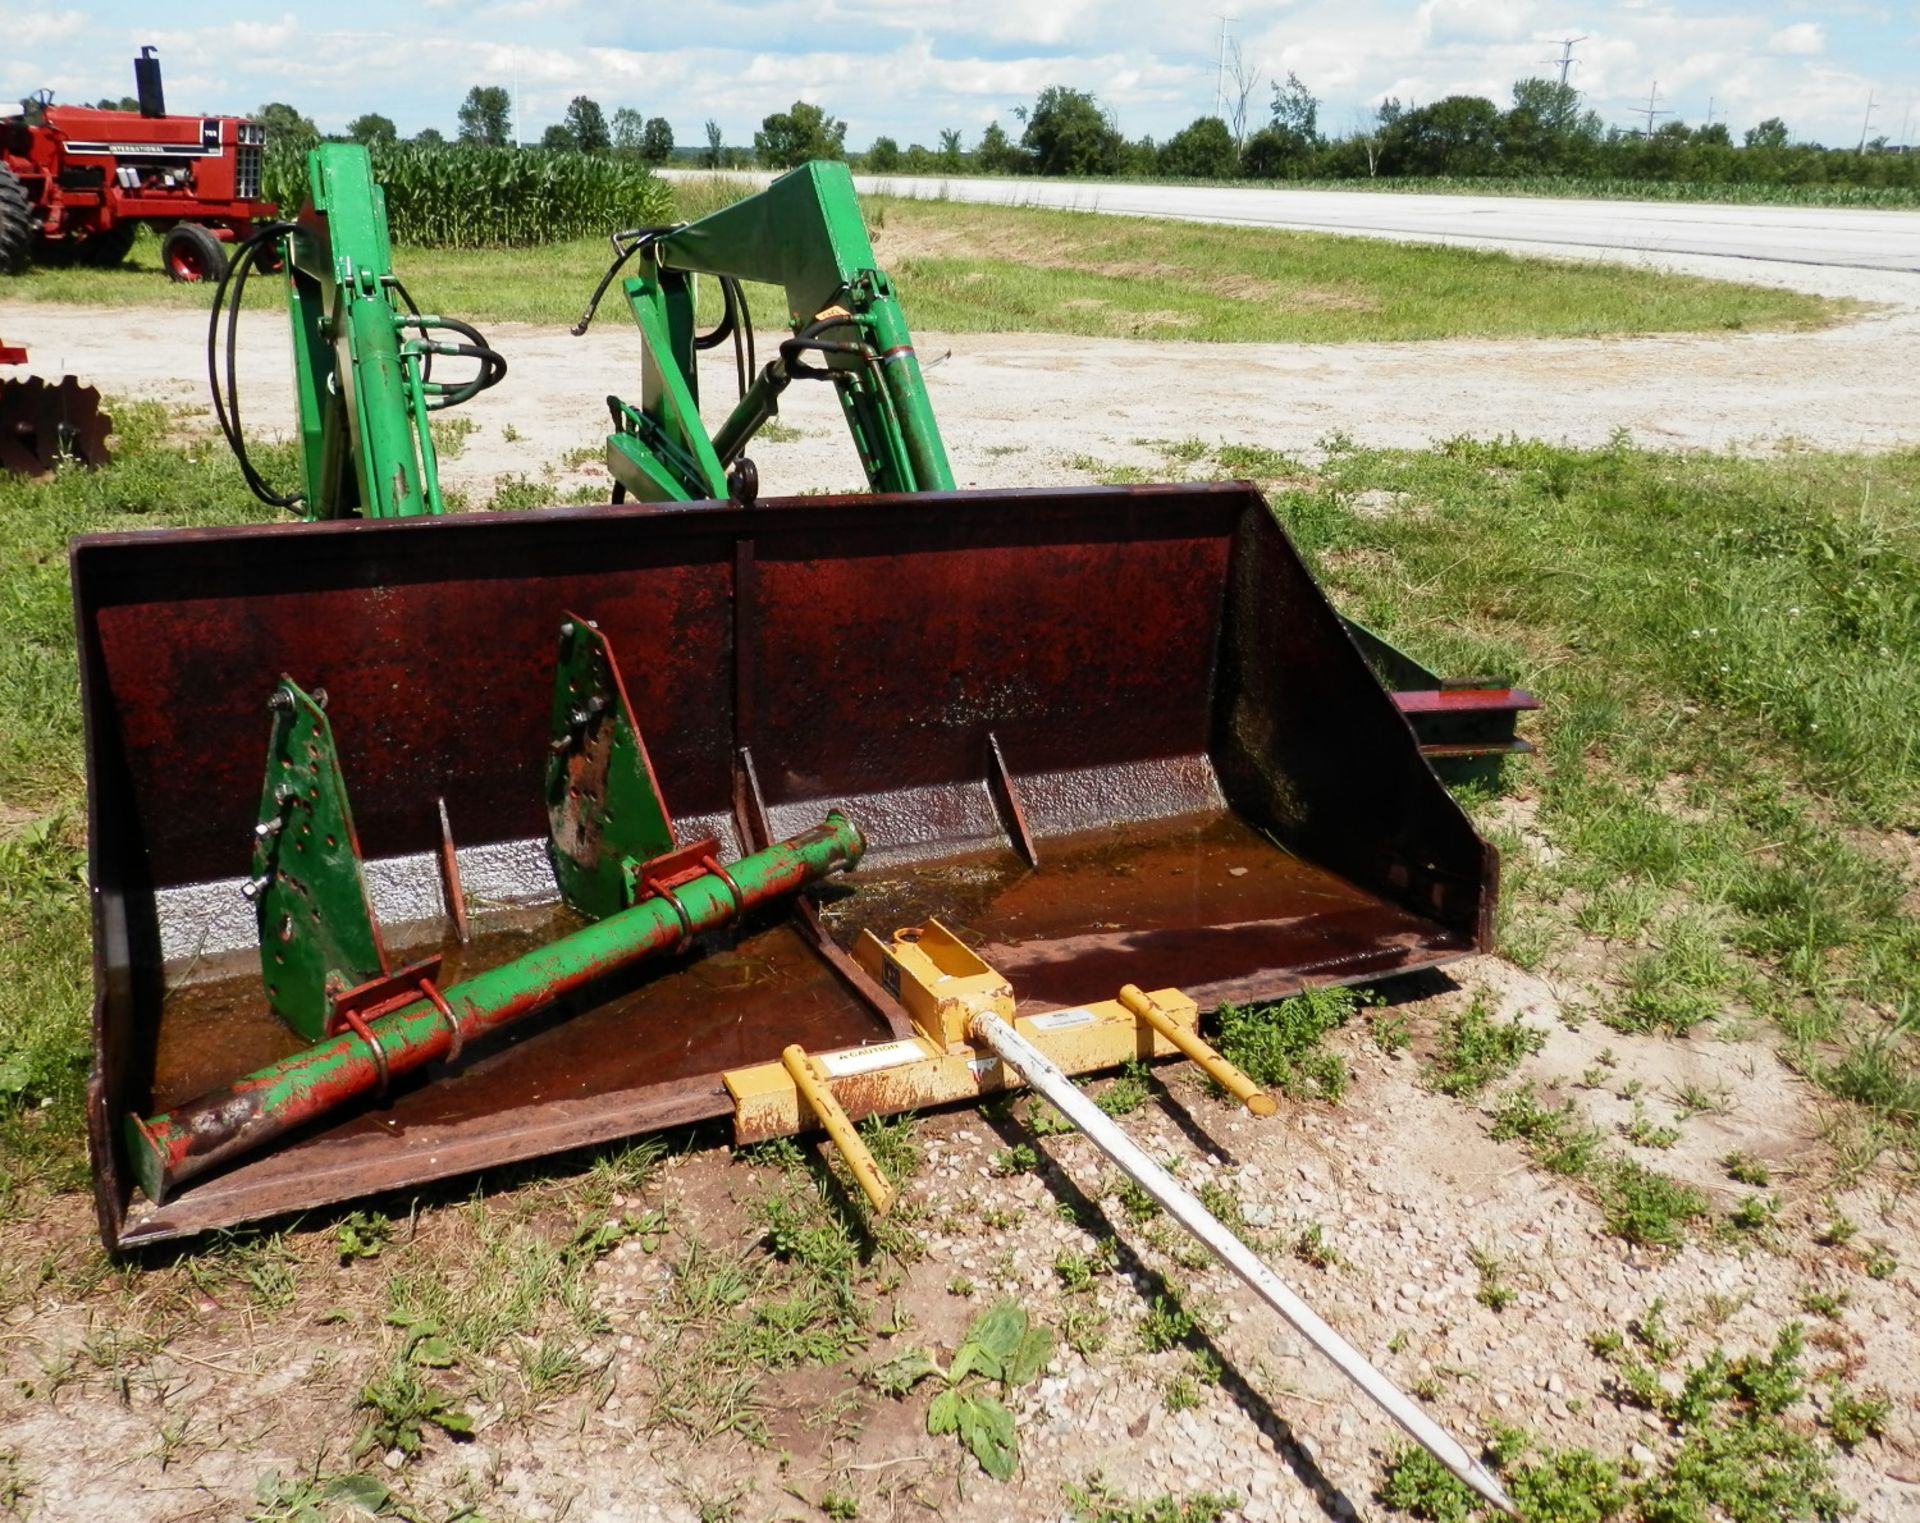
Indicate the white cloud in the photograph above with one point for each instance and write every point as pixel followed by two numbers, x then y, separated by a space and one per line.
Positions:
pixel 1801 40
pixel 907 68
pixel 33 28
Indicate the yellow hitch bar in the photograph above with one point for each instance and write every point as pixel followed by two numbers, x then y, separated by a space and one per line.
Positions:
pixel 943 984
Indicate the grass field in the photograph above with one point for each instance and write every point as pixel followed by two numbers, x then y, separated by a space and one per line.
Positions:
pixel 973 269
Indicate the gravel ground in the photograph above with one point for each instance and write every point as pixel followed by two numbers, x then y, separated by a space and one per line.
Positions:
pixel 1280 1432
pixel 1012 407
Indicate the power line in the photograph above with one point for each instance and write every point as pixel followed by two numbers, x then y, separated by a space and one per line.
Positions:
pixel 1566 61
pixel 1651 109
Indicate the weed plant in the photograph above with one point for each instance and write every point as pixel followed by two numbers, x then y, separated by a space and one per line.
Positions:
pixel 1281 1046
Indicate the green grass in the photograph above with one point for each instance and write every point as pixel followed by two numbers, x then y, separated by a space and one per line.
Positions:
pixel 1099 1502
pixel 1281 1046
pixel 984 269
pixel 1475 1050
pixel 969 268
pixel 1729 765
pixel 1735 1446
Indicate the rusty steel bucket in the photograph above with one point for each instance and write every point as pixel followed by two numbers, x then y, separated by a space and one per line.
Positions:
pixel 1109 736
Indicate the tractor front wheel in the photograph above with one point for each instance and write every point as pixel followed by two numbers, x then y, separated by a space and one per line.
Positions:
pixel 16 224
pixel 190 252
pixel 105 249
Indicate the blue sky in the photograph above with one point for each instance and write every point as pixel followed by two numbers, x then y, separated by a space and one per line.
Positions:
pixel 907 68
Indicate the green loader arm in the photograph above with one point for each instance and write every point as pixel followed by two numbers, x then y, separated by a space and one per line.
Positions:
pixel 804 234
pixel 361 363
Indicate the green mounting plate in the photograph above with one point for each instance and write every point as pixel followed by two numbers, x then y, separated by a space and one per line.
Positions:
pixel 318 936
pixel 603 803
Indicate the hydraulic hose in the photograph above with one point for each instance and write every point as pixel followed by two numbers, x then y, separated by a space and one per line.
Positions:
pixel 226 406
pixel 493 364
pixel 736 322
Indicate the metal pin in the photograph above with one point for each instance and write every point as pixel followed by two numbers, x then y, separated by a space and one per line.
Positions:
pixel 566 630
pixel 266 830
pixel 280 699
pixel 253 888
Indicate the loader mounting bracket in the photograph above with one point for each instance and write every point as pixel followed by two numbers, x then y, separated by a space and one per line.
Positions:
pixel 319 940
pixel 610 836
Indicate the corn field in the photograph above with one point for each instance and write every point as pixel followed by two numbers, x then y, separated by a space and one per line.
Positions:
pixel 474 198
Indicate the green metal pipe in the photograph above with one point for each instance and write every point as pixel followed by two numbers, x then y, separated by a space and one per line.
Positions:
pixel 906 389
pixel 169 1149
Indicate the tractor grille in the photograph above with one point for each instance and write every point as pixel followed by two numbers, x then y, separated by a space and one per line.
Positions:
pixel 246 173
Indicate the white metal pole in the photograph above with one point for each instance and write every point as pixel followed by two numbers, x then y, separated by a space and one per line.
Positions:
pixel 1179 1203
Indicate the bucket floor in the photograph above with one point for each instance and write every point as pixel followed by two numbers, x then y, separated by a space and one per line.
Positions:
pixel 1204 903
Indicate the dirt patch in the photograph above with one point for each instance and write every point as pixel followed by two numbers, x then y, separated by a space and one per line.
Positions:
pixel 260 1389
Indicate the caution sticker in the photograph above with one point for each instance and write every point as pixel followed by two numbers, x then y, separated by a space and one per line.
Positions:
pixel 1061 1020
pixel 866 1060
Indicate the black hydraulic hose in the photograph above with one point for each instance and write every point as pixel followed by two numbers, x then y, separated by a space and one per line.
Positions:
pixel 808 339
pixel 746 328
pixel 413 308
pixel 736 322
pixel 493 364
pixel 724 330
pixel 226 408
pixel 626 243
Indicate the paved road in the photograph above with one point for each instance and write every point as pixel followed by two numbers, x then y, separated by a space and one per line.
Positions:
pixel 1871 240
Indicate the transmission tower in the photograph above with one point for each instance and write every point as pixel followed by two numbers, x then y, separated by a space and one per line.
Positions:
pixel 1566 62
pixel 1651 109
pixel 1220 72
pixel 1866 123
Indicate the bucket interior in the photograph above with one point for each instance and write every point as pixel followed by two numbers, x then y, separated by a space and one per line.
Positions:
pixel 1109 736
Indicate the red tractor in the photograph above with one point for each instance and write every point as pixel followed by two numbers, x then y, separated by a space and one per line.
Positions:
pixel 76 182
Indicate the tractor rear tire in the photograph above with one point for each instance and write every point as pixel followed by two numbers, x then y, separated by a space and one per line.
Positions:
pixel 104 250
pixel 189 253
pixel 16 224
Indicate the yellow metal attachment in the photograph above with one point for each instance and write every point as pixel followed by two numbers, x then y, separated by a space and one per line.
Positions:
pixel 943 984
pixel 939 978
pixel 1205 1057
pixel 812 1084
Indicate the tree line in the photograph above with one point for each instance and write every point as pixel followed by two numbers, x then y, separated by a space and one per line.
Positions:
pixel 1544 132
